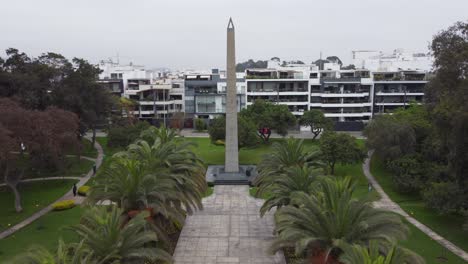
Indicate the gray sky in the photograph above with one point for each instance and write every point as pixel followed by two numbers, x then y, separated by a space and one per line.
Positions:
pixel 191 33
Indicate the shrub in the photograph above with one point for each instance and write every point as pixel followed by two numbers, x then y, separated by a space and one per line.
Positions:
pixel 122 136
pixel 63 205
pixel 217 129
pixel 219 142
pixel 200 124
pixel 445 197
pixel 83 190
pixel 408 172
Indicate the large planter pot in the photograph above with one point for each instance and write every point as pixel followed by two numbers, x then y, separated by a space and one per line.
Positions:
pixel 319 258
pixel 134 213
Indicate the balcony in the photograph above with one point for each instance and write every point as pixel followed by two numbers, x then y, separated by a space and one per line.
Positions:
pixel 341 80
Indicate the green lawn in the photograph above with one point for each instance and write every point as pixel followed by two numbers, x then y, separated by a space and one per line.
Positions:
pixel 46 231
pixel 34 195
pixel 88 149
pixel 108 151
pixel 212 154
pixel 428 248
pixel 448 226
pixel 71 167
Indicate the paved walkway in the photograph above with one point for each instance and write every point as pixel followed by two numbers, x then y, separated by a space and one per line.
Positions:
pixel 228 230
pixel 68 195
pixel 386 203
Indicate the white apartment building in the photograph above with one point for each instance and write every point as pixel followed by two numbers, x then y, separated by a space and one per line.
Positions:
pixel 380 84
pixel 157 98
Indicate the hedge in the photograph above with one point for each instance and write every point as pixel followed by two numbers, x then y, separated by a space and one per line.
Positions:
pixel 63 205
pixel 83 190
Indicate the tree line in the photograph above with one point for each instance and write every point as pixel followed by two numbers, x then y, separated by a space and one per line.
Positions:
pixel 426 147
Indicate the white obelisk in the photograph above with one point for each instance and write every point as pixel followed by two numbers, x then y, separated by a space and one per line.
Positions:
pixel 232 151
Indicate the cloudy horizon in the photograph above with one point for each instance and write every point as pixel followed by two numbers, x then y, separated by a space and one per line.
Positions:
pixel 191 34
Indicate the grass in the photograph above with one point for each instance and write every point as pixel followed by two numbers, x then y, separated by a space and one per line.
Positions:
pixel 88 149
pixel 46 231
pixel 429 249
pixel 71 167
pixel 212 154
pixel 108 151
pixel 34 195
pixel 448 226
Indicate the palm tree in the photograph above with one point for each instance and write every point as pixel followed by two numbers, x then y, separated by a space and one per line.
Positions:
pixel 325 221
pixel 65 254
pixel 178 161
pixel 103 231
pixel 163 134
pixel 281 186
pixel 128 184
pixel 285 154
pixel 375 254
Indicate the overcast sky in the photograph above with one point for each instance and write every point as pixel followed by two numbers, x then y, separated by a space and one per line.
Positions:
pixel 191 33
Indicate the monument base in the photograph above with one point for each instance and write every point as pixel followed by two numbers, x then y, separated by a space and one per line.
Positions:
pixel 216 175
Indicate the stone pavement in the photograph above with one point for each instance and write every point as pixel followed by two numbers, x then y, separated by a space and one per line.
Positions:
pixel 67 196
pixel 386 203
pixel 228 230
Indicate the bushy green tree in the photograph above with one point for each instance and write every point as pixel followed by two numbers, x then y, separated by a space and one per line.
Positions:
pixel 247 135
pixel 271 116
pixel 123 135
pixel 340 148
pixel 200 124
pixel 316 120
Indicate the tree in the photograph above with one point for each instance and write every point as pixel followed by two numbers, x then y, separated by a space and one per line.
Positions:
pixel 321 224
pixel 247 135
pixel 122 135
pixel 284 155
pixel 267 116
pixel 43 135
pixel 200 124
pixel 65 254
pixel 390 138
pixel 251 64
pixel 83 95
pixel 162 175
pixel 374 255
pixel 340 148
pixel 445 96
pixel 316 120
pixel 334 59
pixel 111 241
pixel 281 186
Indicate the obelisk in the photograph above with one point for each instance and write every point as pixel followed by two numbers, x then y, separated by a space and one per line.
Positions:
pixel 232 151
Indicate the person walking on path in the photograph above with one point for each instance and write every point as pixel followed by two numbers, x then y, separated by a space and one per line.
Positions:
pixel 94 169
pixel 74 189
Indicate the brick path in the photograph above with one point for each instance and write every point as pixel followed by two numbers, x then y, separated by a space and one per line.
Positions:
pixel 228 230
pixel 386 203
pixel 68 195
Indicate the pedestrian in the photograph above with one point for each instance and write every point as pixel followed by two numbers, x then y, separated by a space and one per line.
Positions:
pixel 74 189
pixel 94 169
pixel 370 187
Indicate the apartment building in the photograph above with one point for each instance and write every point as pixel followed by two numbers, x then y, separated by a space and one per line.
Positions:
pixel 380 83
pixel 205 94
pixel 156 99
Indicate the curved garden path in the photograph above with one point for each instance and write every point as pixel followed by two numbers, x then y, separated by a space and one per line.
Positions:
pixel 228 230
pixel 67 196
pixel 386 203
